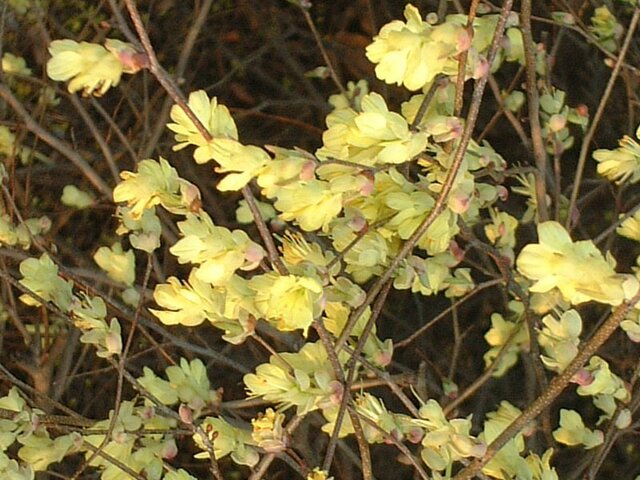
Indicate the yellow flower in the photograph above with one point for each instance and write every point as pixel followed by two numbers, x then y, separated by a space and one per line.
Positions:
pixel 630 228
pixel 72 196
pixel 218 250
pixel 268 432
pixel 91 68
pixel 215 118
pixel 572 431
pixel 413 53
pixel 370 137
pixel 153 183
pixel 317 474
pixel 296 250
pixel 227 439
pixel 245 161
pixel 287 166
pixel 303 379
pixel 577 269
pixel 312 204
pixel 188 303
pixel 623 163
pixel 289 301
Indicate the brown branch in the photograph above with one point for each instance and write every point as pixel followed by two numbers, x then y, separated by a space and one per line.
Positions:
pixel 35 128
pixel 447 186
pixel 555 388
pixel 539 152
pixel 586 143
pixel 172 89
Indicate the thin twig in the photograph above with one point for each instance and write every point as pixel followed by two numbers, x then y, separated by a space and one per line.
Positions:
pixel 351 374
pixel 447 185
pixel 97 135
pixel 35 128
pixel 555 388
pixel 462 62
pixel 261 468
pixel 426 101
pixel 586 142
pixel 445 312
pixel 533 105
pixel 363 446
pixel 323 50
pixel 172 89
pixel 399 445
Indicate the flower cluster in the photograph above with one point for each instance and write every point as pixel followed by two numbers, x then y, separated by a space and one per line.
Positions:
pixel 577 269
pixel 622 164
pixel 92 68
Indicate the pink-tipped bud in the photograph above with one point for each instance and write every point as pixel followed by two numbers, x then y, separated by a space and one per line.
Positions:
pixel 337 391
pixel 169 450
pixel 503 193
pixel 186 414
pixel 463 42
pixel 582 110
pixel 557 122
pixel 308 171
pixel 456 251
pixel 582 377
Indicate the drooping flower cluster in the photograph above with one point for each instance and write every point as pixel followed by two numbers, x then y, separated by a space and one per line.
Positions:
pixel 622 164
pixel 92 68
pixel 577 269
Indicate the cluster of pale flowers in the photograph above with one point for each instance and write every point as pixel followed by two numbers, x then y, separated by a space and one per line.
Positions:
pixel 352 192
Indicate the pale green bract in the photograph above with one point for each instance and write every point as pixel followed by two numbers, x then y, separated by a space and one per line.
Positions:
pixel 229 308
pixel 22 234
pixel 606 29
pixel 72 196
pixel 559 339
pixel 187 383
pixel 512 330
pixel 446 441
pixel 572 431
pixel 179 474
pixel 602 381
pixel 140 451
pixel 119 264
pixel 243 161
pixel 11 470
pixel 156 183
pixel 143 232
pixel 374 349
pixel 227 439
pixel 187 303
pixel 399 426
pixel 89 315
pixel 501 232
pixel 41 277
pixel 304 380
pixel 508 462
pixel 14 65
pixel 39 450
